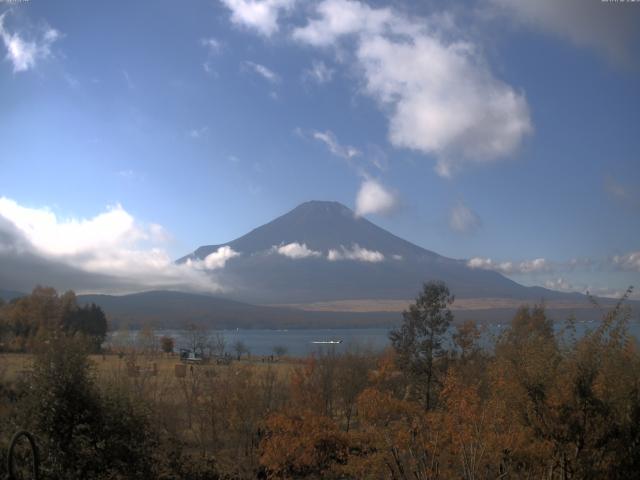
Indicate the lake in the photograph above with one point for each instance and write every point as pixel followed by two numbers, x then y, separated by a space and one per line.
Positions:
pixel 299 342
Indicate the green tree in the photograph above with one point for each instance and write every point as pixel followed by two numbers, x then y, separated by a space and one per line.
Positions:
pixel 167 344
pixel 83 433
pixel 418 341
pixel 88 320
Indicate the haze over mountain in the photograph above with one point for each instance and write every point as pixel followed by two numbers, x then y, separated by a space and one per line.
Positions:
pixel 323 251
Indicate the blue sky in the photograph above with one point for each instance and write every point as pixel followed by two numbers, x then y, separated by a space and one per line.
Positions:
pixel 492 130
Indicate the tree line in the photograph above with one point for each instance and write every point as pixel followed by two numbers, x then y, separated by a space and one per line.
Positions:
pixel 26 321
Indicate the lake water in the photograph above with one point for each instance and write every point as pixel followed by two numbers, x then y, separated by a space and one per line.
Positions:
pixel 299 342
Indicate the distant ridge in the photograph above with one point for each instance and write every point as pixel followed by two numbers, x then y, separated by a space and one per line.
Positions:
pixel 168 309
pixel 8 295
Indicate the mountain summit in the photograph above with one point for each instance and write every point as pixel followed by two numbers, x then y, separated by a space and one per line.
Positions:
pixel 323 251
pixel 321 226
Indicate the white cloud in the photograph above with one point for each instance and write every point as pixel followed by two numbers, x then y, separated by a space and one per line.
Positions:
pixel 331 142
pixel 211 44
pixel 263 71
pixel 441 96
pixel 319 72
pixel 608 27
pixel 337 18
pixel 295 250
pixel 356 253
pixel 626 195
pixel 158 234
pixel 209 70
pixel 111 250
pixel 197 133
pixel 629 261
pixel 463 220
pixel 214 47
pixel 560 284
pixel 563 285
pixel 541 269
pixel 373 197
pixel 259 15
pixel 24 53
pixel 215 260
pixel 538 265
pixel 608 292
pixel 128 81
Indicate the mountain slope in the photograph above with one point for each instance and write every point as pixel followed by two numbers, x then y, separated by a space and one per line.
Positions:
pixel 261 275
pixel 321 226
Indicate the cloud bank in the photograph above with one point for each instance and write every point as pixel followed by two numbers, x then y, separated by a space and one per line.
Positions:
pixel 628 262
pixel 110 252
pixel 538 265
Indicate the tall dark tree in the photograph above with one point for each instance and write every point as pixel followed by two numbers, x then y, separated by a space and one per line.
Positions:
pixel 88 320
pixel 418 341
pixel 83 433
pixel 240 348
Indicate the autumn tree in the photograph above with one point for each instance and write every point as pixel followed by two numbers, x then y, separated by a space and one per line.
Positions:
pixel 302 445
pixel 31 318
pixel 351 379
pixel 147 340
pixel 466 338
pixel 419 340
pixel 531 322
pixel 217 344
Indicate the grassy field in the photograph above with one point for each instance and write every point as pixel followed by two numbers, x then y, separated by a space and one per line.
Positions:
pixel 13 365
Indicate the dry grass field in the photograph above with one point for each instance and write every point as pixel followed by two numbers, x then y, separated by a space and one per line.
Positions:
pixel 159 366
pixel 461 304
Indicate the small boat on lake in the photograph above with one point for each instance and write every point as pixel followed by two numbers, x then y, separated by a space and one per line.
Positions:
pixel 330 342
